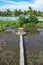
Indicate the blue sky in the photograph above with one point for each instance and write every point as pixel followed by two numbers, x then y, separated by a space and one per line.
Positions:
pixel 21 4
pixel 22 0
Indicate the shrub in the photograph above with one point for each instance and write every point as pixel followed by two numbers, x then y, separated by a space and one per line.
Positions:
pixel 33 18
pixel 22 20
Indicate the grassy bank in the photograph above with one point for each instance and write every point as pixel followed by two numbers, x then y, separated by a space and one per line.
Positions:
pixel 40 25
pixel 31 21
pixel 16 24
pixel 8 24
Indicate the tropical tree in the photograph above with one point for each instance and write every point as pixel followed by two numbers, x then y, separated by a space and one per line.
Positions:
pixel 22 20
pixel 32 19
pixel 25 12
pixel 0 12
pixel 8 12
pixel 16 12
pixel 30 10
pixel 19 12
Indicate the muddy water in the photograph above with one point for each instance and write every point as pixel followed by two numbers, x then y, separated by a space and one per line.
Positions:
pixel 33 43
pixel 9 44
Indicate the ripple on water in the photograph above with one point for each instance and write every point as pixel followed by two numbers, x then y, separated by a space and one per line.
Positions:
pixel 33 41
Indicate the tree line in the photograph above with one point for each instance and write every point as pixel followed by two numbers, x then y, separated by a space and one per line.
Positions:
pixel 16 12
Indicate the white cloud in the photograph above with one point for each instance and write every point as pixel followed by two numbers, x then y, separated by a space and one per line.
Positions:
pixel 37 4
pixel 15 5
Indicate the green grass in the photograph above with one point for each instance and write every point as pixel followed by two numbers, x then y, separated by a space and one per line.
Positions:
pixel 8 24
pixel 40 25
pixel 16 24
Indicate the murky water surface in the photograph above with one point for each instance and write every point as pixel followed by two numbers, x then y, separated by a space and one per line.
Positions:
pixel 10 42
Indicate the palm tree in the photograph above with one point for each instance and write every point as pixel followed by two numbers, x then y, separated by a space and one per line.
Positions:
pixel 34 12
pixel 0 13
pixel 25 12
pixel 8 12
pixel 16 12
pixel 19 11
pixel 30 10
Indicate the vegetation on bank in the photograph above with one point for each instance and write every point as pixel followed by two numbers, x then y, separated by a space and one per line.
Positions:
pixel 31 21
pixel 40 24
pixel 23 21
pixel 16 12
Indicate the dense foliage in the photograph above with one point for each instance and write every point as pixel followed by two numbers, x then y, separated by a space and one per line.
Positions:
pixel 21 22
pixel 16 12
pixel 30 21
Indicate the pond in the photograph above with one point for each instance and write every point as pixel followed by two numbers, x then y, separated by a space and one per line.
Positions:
pixel 33 42
pixel 8 18
pixel 11 18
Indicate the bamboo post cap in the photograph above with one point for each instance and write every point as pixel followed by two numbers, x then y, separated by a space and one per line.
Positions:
pixel 20 31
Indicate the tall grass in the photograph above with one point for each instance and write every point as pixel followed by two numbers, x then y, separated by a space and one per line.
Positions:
pixel 40 25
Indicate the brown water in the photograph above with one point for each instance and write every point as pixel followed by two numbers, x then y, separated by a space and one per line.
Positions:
pixel 9 46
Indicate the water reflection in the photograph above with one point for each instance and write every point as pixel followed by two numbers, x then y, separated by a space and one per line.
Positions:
pixel 33 42
pixel 8 18
pixel 9 42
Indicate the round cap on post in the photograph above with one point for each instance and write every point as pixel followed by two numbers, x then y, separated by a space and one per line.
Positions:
pixel 20 29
